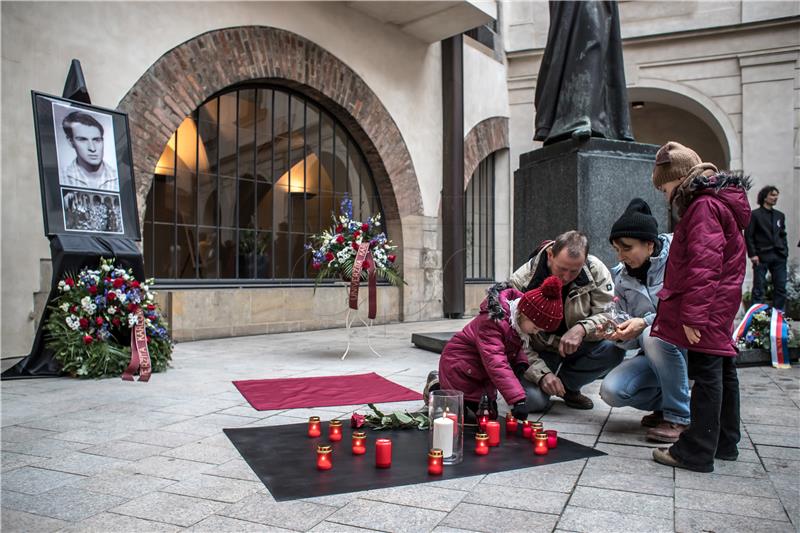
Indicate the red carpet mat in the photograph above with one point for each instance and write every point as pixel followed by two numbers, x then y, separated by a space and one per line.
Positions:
pixel 292 393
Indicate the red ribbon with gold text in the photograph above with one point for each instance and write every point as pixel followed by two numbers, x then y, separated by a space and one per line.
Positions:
pixel 364 255
pixel 140 356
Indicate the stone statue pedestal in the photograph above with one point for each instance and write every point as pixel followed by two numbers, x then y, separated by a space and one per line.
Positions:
pixel 582 184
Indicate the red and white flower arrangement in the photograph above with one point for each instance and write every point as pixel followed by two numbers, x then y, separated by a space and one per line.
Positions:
pixel 334 251
pixel 90 322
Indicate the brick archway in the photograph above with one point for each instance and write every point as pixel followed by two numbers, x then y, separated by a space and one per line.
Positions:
pixel 486 137
pixel 184 77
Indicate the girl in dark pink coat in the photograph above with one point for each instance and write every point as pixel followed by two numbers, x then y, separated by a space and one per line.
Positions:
pixel 701 295
pixel 486 356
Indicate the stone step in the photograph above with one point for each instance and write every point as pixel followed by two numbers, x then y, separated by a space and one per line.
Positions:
pixel 433 342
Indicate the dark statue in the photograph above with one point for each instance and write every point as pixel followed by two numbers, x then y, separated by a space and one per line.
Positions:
pixel 581 88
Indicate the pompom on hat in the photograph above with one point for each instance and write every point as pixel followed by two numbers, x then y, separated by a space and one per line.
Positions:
pixel 674 161
pixel 543 305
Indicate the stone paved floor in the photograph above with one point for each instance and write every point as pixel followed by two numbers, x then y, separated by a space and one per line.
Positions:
pixel 115 456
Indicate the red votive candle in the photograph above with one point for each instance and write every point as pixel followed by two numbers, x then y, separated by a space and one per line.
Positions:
pixel 359 443
pixel 335 430
pixel 481 444
pixel 527 432
pixel 313 427
pixel 552 438
pixel 511 424
pixel 435 464
pixel 324 457
pixel 537 427
pixel 383 453
pixel 454 418
pixel 540 444
pixel 493 430
pixel 482 421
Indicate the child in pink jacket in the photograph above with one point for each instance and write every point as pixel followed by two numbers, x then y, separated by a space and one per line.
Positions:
pixel 488 354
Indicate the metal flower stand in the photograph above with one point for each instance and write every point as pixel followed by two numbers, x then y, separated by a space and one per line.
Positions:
pixel 350 319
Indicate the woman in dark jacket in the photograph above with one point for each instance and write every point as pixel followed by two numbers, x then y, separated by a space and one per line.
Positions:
pixel 701 295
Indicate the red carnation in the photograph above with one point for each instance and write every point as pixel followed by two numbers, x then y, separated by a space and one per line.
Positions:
pixel 355 245
pixel 84 322
pixel 132 307
pixel 391 258
pixel 339 228
pixel 329 256
pixel 70 282
pixel 115 321
pixel 119 282
pixel 87 339
pixel 340 239
pixel 135 284
pixel 73 309
pixel 98 321
pixel 356 234
pixel 111 295
pixel 150 307
pixel 364 227
pixel 92 289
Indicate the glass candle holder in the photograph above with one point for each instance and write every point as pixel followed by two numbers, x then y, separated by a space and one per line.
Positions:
pixel 481 444
pixel 552 438
pixel 482 421
pixel 383 453
pixel 435 464
pixel 446 411
pixel 540 444
pixel 335 430
pixel 511 424
pixel 527 432
pixel 314 429
pixel 493 430
pixel 324 457
pixel 537 427
pixel 359 443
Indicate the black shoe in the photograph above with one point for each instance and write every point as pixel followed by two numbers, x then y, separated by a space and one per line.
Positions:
pixel 576 400
pixel 431 384
pixel 663 456
pixel 727 456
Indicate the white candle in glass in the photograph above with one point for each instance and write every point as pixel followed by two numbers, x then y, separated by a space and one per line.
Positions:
pixel 443 435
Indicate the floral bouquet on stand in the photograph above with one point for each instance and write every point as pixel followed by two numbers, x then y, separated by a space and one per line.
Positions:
pixel 757 334
pixel 91 322
pixel 334 251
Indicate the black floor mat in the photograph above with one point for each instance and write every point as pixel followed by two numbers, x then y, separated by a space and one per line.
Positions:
pixel 284 458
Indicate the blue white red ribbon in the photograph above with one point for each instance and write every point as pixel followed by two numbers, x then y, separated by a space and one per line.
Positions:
pixel 778 340
pixel 778 334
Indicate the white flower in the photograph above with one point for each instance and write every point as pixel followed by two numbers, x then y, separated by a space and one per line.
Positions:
pixel 149 297
pixel 73 322
pixel 64 307
pixel 121 296
pixel 112 310
pixel 106 268
pixel 132 320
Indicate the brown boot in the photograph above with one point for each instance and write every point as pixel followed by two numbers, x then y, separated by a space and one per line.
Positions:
pixel 666 432
pixel 576 400
pixel 653 419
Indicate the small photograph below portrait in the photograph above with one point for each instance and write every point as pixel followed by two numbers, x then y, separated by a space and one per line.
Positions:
pixel 92 211
pixel 85 146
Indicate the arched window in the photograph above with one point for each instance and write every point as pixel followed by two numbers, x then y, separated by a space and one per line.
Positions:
pixel 243 184
pixel 479 206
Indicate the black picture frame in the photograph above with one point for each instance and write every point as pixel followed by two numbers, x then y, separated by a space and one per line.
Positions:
pixel 87 182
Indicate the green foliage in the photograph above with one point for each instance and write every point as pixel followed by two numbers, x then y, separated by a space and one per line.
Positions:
pixel 379 420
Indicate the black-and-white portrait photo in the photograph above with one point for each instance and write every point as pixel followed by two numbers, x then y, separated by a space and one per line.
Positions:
pixel 91 211
pixel 86 149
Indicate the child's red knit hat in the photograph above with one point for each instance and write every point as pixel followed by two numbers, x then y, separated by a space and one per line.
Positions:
pixel 543 305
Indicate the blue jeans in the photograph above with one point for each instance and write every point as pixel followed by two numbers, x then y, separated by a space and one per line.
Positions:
pixel 654 380
pixel 591 361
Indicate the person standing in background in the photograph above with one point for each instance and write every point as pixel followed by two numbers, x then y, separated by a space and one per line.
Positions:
pixel 767 248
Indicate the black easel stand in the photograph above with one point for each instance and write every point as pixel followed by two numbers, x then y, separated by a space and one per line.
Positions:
pixel 70 254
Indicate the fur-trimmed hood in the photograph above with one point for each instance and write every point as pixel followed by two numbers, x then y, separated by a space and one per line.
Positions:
pixel 728 187
pixel 497 297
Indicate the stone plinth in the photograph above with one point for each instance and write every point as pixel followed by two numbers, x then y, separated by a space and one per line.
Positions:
pixel 582 185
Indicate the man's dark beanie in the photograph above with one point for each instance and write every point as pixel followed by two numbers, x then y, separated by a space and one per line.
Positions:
pixel 636 222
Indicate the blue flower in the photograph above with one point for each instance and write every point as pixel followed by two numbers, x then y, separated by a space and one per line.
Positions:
pixel 346 206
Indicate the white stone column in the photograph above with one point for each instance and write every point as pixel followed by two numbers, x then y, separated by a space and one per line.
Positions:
pixel 769 127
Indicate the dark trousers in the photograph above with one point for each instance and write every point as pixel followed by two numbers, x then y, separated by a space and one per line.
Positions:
pixel 714 406
pixel 776 265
